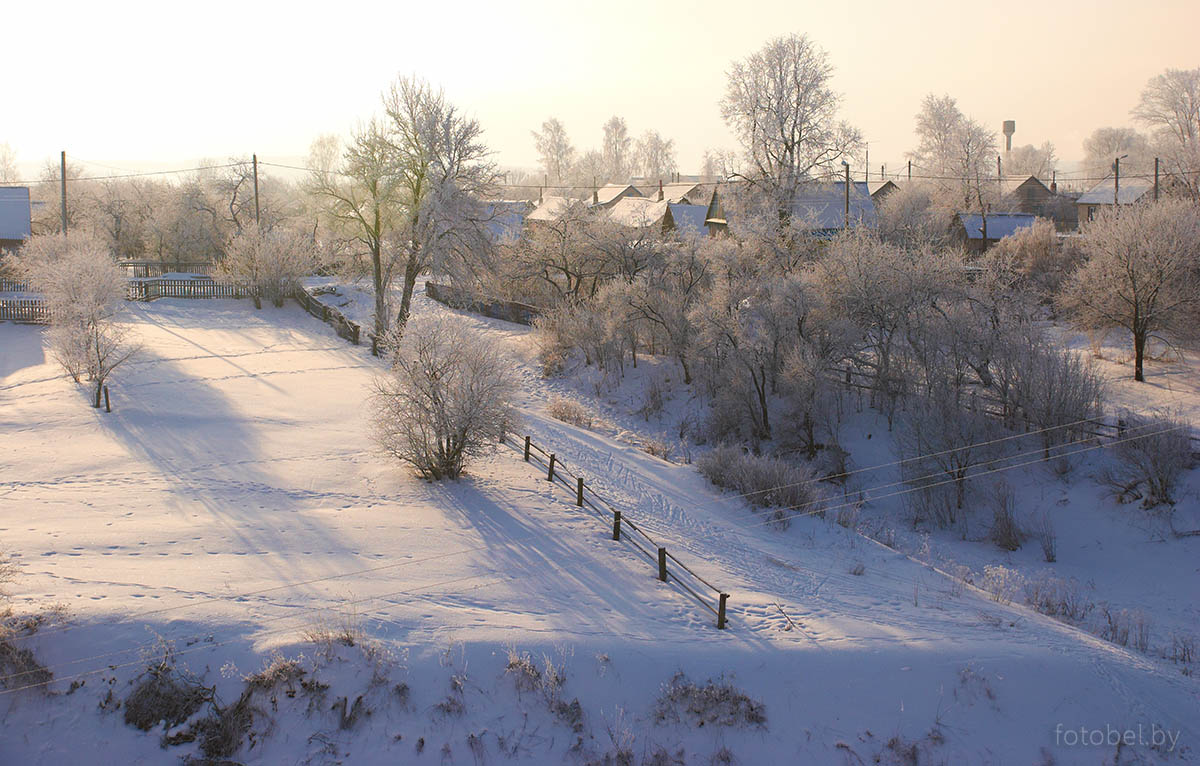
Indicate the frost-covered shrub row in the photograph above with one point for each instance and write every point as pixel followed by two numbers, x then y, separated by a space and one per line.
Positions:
pixel 786 487
pixel 1150 453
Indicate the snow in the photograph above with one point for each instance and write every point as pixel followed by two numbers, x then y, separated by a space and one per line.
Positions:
pixel 232 502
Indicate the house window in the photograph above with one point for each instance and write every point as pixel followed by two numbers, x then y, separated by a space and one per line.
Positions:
pixel 1091 212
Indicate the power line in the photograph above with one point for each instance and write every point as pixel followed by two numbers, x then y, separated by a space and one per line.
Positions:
pixel 125 175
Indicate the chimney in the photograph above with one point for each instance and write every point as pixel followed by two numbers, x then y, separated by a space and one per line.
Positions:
pixel 660 191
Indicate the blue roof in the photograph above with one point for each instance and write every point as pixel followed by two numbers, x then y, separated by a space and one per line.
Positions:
pixel 823 205
pixel 689 218
pixel 999 225
pixel 505 219
pixel 14 212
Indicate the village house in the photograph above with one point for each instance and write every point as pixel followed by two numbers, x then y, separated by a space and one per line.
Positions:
pixel 976 233
pixel 1101 196
pixel 15 217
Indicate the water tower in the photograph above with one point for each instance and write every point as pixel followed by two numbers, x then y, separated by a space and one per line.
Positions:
pixel 1010 127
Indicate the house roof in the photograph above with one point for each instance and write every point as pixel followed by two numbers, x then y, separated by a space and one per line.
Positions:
pixel 609 192
pixel 999 225
pixel 1102 193
pixel 1010 185
pixel 14 212
pixel 874 187
pixel 823 205
pixel 637 212
pixel 550 209
pixel 691 193
pixel 688 219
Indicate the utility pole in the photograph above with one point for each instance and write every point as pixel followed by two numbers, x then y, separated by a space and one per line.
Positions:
pixel 1116 181
pixel 62 177
pixel 254 162
pixel 847 219
pixel 1156 179
pixel 998 174
pixel 910 170
pixel 867 163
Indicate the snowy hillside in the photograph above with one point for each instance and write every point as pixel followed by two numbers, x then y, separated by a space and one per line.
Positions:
pixel 231 509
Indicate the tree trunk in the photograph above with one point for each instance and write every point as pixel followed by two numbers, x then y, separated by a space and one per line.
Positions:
pixel 99 391
pixel 1139 355
pixel 411 270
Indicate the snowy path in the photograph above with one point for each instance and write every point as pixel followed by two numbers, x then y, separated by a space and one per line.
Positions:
pixel 236 462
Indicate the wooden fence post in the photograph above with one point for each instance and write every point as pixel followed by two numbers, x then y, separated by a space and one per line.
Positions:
pixel 616 525
pixel 107 405
pixel 550 475
pixel 526 449
pixel 579 492
pixel 662 564
pixel 721 612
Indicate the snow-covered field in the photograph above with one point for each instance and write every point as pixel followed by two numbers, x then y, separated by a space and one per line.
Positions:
pixel 232 505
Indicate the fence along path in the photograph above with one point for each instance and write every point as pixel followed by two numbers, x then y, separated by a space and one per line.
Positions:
pixel 624 528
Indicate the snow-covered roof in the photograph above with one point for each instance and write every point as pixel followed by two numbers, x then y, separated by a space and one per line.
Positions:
pixel 637 212
pixel 550 209
pixel 874 187
pixel 692 193
pixel 1102 193
pixel 999 225
pixel 823 205
pixel 14 212
pixel 688 219
pixel 609 192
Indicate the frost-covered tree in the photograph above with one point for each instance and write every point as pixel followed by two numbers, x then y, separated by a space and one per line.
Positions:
pixel 270 264
pixel 446 399
pixel 362 199
pixel 957 155
pixel 617 151
pixel 1029 160
pixel 1170 106
pixel 1106 144
pixel 780 103
pixel 655 156
pixel 555 150
pixel 1140 275
pixel 84 290
pixel 8 163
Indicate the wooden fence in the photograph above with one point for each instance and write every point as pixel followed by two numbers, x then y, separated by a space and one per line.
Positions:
pixel 150 289
pixel 13 286
pixel 143 269
pixel 994 407
pixel 32 310
pixel 509 311
pixel 345 328
pixel 669 568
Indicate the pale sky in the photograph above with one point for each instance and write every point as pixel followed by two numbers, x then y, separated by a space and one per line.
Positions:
pixel 155 85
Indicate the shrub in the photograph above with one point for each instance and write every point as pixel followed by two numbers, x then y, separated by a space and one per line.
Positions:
pixel 569 411
pixel 1005 532
pixel 1152 453
pixel 1003 583
pixel 446 399
pixel 1062 599
pixel 1047 538
pixel 788 488
pixel 715 703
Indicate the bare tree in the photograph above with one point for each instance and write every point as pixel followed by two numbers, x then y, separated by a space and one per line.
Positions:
pixel 1106 144
pixel 1140 274
pixel 655 156
pixel 555 150
pixel 1029 160
pixel 957 154
pixel 446 399
pixel 270 264
pixel 8 163
pixel 444 171
pixel 780 104
pixel 363 200
pixel 1170 105
pixel 617 150
pixel 84 290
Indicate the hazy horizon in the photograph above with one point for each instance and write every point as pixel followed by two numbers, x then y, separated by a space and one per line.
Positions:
pixel 141 87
